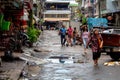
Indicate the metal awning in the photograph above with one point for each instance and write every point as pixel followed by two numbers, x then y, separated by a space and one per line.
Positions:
pixel 107 12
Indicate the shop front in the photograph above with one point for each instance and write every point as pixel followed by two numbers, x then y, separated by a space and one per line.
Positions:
pixel 113 19
pixel 12 24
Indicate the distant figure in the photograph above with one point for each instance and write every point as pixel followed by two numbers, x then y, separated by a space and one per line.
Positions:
pixel 70 35
pixel 48 27
pixel 74 35
pixel 85 38
pixel 96 44
pixel 62 33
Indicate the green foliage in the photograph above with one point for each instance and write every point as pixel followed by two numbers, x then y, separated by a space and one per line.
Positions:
pixel 1 19
pixel 84 20
pixel 41 21
pixel 33 34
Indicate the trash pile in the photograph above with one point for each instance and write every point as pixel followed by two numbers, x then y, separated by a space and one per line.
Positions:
pixel 112 63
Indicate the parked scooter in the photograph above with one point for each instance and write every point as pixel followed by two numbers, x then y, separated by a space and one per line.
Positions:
pixel 25 39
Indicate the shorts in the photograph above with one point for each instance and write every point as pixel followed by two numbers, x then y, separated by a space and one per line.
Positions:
pixel 96 55
pixel 69 36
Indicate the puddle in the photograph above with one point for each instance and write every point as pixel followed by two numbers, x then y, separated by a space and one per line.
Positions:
pixel 62 71
pixel 62 79
pixel 65 60
pixel 60 59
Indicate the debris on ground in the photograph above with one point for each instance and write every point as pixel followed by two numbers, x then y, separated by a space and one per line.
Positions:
pixel 112 63
pixel 30 71
pixel 80 61
pixel 41 50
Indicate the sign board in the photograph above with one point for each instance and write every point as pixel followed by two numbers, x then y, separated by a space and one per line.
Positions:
pixel 97 22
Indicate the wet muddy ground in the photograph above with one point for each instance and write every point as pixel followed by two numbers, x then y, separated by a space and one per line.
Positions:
pixel 47 60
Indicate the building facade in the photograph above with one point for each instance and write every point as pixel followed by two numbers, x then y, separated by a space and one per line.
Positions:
pixel 102 8
pixel 57 11
pixel 112 8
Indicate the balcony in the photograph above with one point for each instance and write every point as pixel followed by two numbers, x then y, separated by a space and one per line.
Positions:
pixel 57 19
pixel 57 12
pixel 57 15
pixel 57 9
pixel 57 6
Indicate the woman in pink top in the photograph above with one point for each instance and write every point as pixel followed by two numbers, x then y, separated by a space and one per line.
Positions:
pixel 85 38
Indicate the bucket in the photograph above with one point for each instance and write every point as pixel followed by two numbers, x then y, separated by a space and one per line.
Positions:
pixel 5 26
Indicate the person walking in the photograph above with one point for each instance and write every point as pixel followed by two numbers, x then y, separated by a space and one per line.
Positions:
pixel 62 33
pixel 96 45
pixel 70 35
pixel 74 35
pixel 85 38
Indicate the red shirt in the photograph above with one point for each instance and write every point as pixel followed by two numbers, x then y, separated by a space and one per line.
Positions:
pixel 70 31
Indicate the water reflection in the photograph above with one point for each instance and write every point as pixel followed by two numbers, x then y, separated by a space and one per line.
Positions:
pixel 60 59
pixel 65 61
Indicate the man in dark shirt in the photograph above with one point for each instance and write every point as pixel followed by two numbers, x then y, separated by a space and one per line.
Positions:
pixel 63 35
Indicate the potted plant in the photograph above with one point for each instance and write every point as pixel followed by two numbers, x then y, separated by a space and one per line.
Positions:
pixel 33 34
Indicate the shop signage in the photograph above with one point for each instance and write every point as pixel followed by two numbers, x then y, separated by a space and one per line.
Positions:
pixel 97 22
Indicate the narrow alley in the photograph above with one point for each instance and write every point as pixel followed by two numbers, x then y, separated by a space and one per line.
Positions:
pixel 67 63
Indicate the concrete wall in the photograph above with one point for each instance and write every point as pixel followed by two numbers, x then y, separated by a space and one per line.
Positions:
pixel 110 6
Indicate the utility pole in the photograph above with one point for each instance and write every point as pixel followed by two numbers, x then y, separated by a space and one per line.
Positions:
pixel 99 8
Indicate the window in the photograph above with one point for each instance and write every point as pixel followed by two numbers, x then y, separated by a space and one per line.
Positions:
pixel 56 16
pixel 50 15
pixel 53 15
pixel 62 16
pixel 47 16
pixel 94 10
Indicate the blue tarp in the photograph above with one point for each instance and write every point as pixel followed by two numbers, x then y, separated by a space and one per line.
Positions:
pixel 97 22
